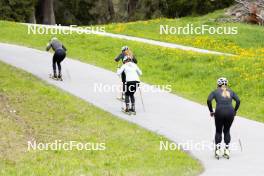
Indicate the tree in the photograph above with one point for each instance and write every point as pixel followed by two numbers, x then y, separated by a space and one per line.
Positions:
pixel 131 7
pixel 17 10
pixel 48 12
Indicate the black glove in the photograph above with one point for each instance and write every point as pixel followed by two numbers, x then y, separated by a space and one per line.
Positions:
pixel 212 114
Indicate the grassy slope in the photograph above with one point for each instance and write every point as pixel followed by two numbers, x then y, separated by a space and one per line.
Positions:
pixel 191 75
pixel 47 114
pixel 249 39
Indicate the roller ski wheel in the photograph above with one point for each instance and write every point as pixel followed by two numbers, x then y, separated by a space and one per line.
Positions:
pixel 226 154
pixel 127 112
pixel 53 77
pixel 133 112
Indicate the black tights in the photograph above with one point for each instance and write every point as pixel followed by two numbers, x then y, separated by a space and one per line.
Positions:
pixel 58 57
pixel 223 123
pixel 130 89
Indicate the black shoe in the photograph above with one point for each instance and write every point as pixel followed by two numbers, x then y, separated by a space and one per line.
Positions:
pixel 54 76
pixel 132 111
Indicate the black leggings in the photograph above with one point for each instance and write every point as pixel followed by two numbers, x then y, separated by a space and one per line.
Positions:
pixel 123 77
pixel 58 57
pixel 224 118
pixel 130 89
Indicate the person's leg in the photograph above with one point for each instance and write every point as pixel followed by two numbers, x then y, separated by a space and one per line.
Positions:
pixel 218 131
pixel 123 77
pixel 127 95
pixel 227 125
pixel 218 135
pixel 54 60
pixel 60 59
pixel 132 97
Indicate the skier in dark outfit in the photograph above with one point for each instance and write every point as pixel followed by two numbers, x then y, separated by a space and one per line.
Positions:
pixel 224 113
pixel 58 57
pixel 121 56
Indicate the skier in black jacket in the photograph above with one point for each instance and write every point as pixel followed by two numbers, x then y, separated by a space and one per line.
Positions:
pixel 125 52
pixel 224 114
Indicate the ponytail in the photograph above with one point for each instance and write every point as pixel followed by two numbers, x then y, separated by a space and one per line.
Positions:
pixel 225 93
pixel 129 54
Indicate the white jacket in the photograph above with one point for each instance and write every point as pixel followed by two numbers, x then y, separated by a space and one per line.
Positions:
pixel 131 70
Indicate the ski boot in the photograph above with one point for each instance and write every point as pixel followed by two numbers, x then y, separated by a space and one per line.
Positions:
pixel 126 110
pixel 217 152
pixel 60 77
pixel 54 76
pixel 132 110
pixel 226 153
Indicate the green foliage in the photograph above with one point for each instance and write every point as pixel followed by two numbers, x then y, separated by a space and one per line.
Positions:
pixel 181 8
pixel 85 12
pixel 16 10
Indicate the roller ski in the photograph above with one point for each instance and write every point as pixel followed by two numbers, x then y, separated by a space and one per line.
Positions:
pixel 218 152
pixel 132 110
pixel 59 78
pixel 226 154
pixel 55 77
pixel 126 111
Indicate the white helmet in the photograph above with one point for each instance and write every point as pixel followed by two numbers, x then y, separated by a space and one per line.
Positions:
pixel 222 81
pixel 124 48
pixel 54 38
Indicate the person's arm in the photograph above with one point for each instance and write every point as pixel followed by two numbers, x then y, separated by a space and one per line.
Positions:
pixel 119 57
pixel 236 98
pixel 209 101
pixel 63 47
pixel 135 60
pixel 48 46
pixel 120 70
pixel 139 72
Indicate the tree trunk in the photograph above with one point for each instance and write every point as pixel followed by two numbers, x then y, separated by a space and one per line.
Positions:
pixel 131 7
pixel 111 9
pixel 32 18
pixel 48 12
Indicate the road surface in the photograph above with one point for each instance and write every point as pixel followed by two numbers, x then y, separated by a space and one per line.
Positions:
pixel 178 119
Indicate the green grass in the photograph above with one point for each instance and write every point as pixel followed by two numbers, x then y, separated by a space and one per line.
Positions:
pixel 192 75
pixel 249 38
pixel 46 114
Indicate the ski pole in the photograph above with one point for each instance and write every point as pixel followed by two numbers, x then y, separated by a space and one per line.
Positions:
pixel 239 139
pixel 142 99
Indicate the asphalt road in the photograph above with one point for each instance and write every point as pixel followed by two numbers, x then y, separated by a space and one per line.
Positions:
pixel 180 120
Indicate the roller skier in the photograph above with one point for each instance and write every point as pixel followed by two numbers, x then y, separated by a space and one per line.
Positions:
pixel 132 82
pixel 59 55
pixel 224 114
pixel 125 51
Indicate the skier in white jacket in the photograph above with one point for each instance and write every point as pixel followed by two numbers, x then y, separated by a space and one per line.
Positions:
pixel 132 82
